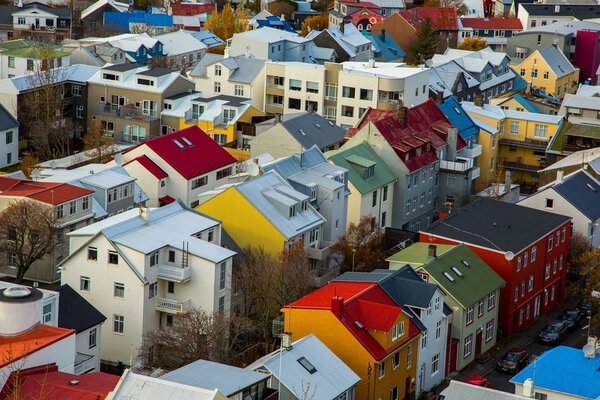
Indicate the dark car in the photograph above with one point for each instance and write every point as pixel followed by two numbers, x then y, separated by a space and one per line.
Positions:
pixel 572 317
pixel 553 332
pixel 513 361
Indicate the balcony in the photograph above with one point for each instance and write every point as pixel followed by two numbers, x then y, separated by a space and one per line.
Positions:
pixel 325 275
pixel 126 112
pixel 319 252
pixel 84 363
pixel 173 306
pixel 471 152
pixel 528 143
pixel 475 173
pixel 519 166
pixel 460 165
pixel 173 273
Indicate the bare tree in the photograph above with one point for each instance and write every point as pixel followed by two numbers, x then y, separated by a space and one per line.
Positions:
pixel 97 145
pixel 27 230
pixel 197 335
pixel 359 249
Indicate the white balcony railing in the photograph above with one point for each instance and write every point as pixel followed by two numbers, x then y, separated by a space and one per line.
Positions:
pixel 471 152
pixel 172 306
pixel 174 273
pixel 84 363
pixel 460 165
pixel 475 173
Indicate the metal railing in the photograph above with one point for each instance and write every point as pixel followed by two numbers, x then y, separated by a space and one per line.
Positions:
pixel 460 165
pixel 174 273
pixel 173 306
pixel 87 364
pixel 528 143
pixel 473 151
pixel 320 252
pixel 126 112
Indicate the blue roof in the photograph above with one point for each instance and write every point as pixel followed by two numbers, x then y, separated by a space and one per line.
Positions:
pixel 564 369
pixel 120 21
pixel 274 21
pixel 520 83
pixel 207 37
pixel 458 117
pixel 525 103
pixel 583 192
pixel 386 50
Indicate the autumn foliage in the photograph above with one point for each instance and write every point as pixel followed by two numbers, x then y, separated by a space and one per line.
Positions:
pixel 315 22
pixel 473 44
pixel 226 23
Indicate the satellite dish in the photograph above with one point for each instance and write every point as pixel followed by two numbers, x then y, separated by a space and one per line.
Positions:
pixel 252 169
pixel 509 255
pixel 589 351
pixel 119 158
pixel 429 63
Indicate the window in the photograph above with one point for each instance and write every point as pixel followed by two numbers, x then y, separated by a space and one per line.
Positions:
pixel 312 87
pixel 348 92
pixel 72 207
pixel 92 253
pixel 92 338
pixel 541 131
pixel 119 290
pixel 533 253
pixel 47 313
pixel 385 193
pixel 489 331
pixel 546 75
pixel 480 308
pixel 113 257
pixel 218 70
pixel 85 203
pixel 438 330
pixel 491 300
pixel 153 290
pixel 331 91
pixel 560 263
pixel 437 303
pixel 76 90
pixel 295 85
pixel 394 393
pixel 468 346
pixel 366 94
pixel 408 207
pixel 523 289
pixel 118 324
pixel 516 293
pixel 525 260
pixel 563 235
pixel 550 242
pixel 409 356
pixel 382 369
pixel 199 182
pixel 435 364
pixel 424 340
pixel 223 173
pixel 534 73
pixel 239 90
pixel 347 111
pixel 60 211
pixel 222 272
pixel 171 287
pixel 217 87
pixel 29 65
pixel 154 258
pixel 470 315
pixel 9 137
pixel 84 283
pixel 518 263
pixel 514 127
pixel 396 360
pixel 530 285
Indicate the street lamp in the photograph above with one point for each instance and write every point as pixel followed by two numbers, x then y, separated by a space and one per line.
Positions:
pixel 353 253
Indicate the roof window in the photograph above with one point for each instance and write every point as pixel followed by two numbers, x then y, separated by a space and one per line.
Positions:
pixel 449 277
pixel 307 365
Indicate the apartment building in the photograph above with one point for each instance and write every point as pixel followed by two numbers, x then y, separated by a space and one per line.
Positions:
pixel 141 285
pixel 36 21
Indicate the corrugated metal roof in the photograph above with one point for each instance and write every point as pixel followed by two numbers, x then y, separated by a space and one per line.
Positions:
pixel 557 61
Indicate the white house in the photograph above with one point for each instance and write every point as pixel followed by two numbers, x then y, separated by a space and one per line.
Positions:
pixel 576 195
pixel 144 267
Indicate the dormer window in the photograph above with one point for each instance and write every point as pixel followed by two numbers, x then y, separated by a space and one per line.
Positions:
pixel 370 172
pixel 145 82
pixel 313 192
pixel 110 77
pixel 304 205
pixel 418 151
pixel 397 330
pixel 218 70
pixel 406 157
pixel 292 211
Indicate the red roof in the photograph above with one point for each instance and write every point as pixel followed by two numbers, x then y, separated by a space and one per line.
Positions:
pixel 442 18
pixel 426 130
pixel 366 4
pixel 31 341
pixel 45 382
pixel 150 166
pixel 202 156
pixel 46 192
pixel 166 200
pixel 492 23
pixel 192 8
pixel 365 303
pixel 359 15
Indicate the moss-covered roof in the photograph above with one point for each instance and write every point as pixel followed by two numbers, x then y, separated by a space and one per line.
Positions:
pixel 29 49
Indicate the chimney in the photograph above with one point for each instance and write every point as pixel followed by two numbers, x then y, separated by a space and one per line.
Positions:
pixel 145 213
pixel 371 62
pixel 382 35
pixel 452 139
pixel 226 52
pixel 337 306
pixel 478 100
pixel 439 96
pixel 560 174
pixel 431 252
pixel 342 27
pixel 528 388
pixel 507 182
pixel 402 116
pixel 557 8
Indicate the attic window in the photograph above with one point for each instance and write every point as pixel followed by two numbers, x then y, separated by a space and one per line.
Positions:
pixel 406 157
pixel 145 82
pixel 292 211
pixel 456 271
pixel 456 110
pixel 449 277
pixel 307 365
pixel 186 141
pixel 593 189
pixel 418 151
pixel 465 263
pixel 178 143
pixel 304 205
pixel 370 171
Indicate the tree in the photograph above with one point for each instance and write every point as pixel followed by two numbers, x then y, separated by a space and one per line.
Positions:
pixel 97 145
pixel 282 7
pixel 226 23
pixel 358 249
pixel 27 164
pixel 27 230
pixel 315 22
pixel 473 43
pixel 461 8
pixel 195 335
pixel 579 253
pixel 425 45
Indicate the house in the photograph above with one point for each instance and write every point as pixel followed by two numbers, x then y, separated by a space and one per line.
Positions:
pixel 521 101
pixel 385 49
pixel 241 76
pixel 417 144
pixel 141 387
pixel 309 173
pixel 77 313
pixel 126 100
pixel 450 79
pixel 96 55
pixel 21 57
pixel 275 22
pixel 583 159
pixel 181 48
pixel 424 303
pixel 495 31
pixel 179 165
pixel 179 265
pixel 154 21
pixel 403 26
pixel 469 286
pixel 526 247
pixel 363 326
pixel 533 15
pixel 72 210
pixel 347 41
pixel 576 368
pixel 139 48
pixel 512 140
pixel 574 195
pixel 36 21
pixel 233 382
pixel 24 342
pixel 47 382
pixel 9 136
pixel 343 10
pixel 550 72
pixel 370 181
pixel 293 133
pixel 92 17
pixel 465 391
pixel 363 19
pixel 269 211
pixel 307 365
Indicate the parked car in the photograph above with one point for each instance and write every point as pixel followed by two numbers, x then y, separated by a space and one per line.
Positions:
pixel 513 361
pixel 572 317
pixel 531 358
pixel 586 307
pixel 553 333
pixel 478 380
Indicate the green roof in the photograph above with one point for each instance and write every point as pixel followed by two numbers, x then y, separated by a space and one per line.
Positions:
pixel 461 273
pixel 416 254
pixel 28 49
pixel 356 160
pixel 568 129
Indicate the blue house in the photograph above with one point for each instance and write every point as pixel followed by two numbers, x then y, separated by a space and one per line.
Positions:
pixel 453 110
pixel 138 48
pixel 156 23
pixel 384 47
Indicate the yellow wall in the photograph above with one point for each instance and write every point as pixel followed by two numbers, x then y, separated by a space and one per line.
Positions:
pixel 484 161
pixel 243 222
pixel 551 85
pixel 324 325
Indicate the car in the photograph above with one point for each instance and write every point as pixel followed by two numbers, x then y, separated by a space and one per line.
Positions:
pixel 478 380
pixel 553 332
pixel 572 317
pixel 586 307
pixel 513 361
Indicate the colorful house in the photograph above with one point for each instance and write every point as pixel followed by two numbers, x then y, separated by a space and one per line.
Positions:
pixel 364 19
pixel 365 328
pixel 471 290
pixel 528 248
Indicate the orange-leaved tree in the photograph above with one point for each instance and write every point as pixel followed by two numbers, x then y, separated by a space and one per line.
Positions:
pixel 473 43
pixel 315 22
pixel 226 23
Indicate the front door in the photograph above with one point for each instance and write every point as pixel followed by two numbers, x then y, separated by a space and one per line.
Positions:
pixel 536 306
pixel 478 341
pixel 408 395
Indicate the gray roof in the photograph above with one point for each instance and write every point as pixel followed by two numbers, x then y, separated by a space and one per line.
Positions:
pixel 155 72
pixel 465 391
pixel 245 69
pixel 562 28
pixel 583 192
pixel 107 179
pixel 497 225
pixel 211 375
pixel 7 121
pixel 331 378
pixel 311 129
pixel 557 61
pixel 579 11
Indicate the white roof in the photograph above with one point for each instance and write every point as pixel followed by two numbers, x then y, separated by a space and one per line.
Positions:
pixel 180 42
pixel 270 35
pixel 127 41
pixel 72 73
pixel 121 7
pixel 493 111
pixel 385 69
pixel 130 80
pixel 465 391
pixel 190 20
pixel 139 387
pixel 577 158
pixel 588 90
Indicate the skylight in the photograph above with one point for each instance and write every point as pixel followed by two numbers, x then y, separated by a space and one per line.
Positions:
pixel 307 365
pixel 186 140
pixel 449 277
pixel 178 143
pixel 465 263
pixel 456 271
pixel 593 189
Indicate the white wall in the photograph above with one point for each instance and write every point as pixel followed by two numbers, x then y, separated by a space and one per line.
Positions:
pixel 11 148
pixel 82 344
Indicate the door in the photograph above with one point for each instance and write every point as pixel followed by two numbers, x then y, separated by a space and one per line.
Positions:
pixel 536 306
pixel 478 342
pixel 408 394
pixel 422 378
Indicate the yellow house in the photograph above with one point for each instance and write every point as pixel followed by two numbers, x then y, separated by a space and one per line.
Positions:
pixel 512 140
pixel 549 71
pixel 363 326
pixel 264 211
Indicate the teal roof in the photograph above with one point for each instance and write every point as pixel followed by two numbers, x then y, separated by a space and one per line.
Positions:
pixel 356 160
pixel 525 103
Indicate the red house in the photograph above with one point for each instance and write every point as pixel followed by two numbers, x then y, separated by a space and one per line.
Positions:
pixel 528 248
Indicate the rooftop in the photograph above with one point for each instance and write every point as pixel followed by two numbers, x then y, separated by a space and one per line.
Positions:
pixel 492 23
pixel 416 254
pixel 582 191
pixel 579 11
pixel 442 18
pixel 75 312
pixel 562 28
pixel 242 69
pixel 467 391
pixel 556 60
pixel 30 342
pixel 46 192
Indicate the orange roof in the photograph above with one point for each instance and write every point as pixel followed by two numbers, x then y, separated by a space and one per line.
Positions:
pixel 17 347
pixel 46 192
pixel 442 18
pixel 492 23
